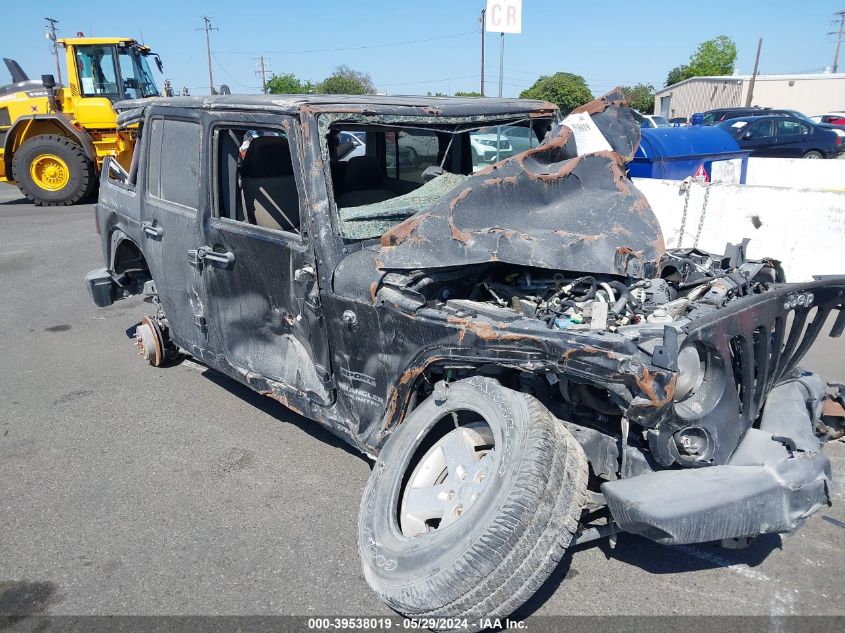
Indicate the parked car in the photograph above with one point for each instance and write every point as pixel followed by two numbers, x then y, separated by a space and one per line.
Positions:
pixel 487 147
pixel 650 120
pixel 524 375
pixel 834 118
pixel 839 130
pixel 717 115
pixel 521 137
pixel 679 121
pixel 654 121
pixel 783 136
pixel 351 145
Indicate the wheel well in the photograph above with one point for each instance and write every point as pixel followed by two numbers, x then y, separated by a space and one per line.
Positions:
pixel 128 258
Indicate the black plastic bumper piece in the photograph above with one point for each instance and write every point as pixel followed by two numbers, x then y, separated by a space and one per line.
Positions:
pixel 773 483
pixel 101 287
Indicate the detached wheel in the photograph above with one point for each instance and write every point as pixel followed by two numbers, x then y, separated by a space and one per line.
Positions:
pixel 471 504
pixel 52 170
pixel 813 154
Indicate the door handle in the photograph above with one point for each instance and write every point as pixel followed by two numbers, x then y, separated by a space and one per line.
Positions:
pixel 207 254
pixel 151 230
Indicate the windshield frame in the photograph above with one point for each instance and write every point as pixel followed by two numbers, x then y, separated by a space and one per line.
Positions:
pixel 328 121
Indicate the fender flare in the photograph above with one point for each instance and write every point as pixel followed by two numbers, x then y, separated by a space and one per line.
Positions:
pixel 60 120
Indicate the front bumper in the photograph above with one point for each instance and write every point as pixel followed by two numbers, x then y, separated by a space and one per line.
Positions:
pixel 774 481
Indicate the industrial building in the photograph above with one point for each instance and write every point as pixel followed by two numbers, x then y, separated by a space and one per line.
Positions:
pixel 810 94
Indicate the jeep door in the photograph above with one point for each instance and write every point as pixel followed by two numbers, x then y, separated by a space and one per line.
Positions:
pixel 262 300
pixel 170 229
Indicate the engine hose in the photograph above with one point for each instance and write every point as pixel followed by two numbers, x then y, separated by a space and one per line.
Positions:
pixel 624 297
pixel 581 280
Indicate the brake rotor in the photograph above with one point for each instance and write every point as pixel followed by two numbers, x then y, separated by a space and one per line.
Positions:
pixel 149 342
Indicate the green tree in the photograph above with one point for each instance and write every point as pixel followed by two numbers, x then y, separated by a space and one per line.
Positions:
pixel 678 74
pixel 640 97
pixel 470 93
pixel 713 57
pixel 288 84
pixel 565 90
pixel 345 81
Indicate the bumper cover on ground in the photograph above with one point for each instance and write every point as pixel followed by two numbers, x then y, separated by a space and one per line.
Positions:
pixel 789 482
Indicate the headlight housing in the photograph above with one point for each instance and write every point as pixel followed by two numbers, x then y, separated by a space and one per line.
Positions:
pixel 691 369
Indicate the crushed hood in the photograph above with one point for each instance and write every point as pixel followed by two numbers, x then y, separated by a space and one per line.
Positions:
pixel 547 208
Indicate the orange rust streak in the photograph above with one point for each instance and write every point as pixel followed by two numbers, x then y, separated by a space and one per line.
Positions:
pixel 458 234
pixel 401 231
pixel 645 382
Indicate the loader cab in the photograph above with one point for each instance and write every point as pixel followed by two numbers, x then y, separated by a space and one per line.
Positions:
pixel 113 69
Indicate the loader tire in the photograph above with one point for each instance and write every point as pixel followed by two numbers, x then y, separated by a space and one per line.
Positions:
pixel 499 551
pixel 53 170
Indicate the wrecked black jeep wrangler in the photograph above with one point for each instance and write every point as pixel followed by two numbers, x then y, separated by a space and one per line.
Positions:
pixel 527 363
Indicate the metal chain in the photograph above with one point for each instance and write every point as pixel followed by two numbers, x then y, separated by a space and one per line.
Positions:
pixel 703 212
pixel 685 186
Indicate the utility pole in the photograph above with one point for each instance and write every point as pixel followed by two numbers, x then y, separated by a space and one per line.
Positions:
pixel 750 95
pixel 838 35
pixel 501 63
pixel 51 35
pixel 261 72
pixel 207 27
pixel 483 13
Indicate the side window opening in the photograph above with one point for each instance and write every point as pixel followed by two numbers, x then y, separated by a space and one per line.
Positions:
pixel 256 183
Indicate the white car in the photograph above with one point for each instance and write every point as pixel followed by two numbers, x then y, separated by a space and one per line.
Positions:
pixel 654 120
pixel 489 147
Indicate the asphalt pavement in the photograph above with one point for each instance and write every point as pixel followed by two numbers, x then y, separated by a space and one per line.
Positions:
pixel 126 489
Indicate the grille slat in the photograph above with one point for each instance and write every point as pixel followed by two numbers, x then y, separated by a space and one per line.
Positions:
pixel 762 358
pixel 774 350
pixel 762 338
pixel 809 338
pixel 799 318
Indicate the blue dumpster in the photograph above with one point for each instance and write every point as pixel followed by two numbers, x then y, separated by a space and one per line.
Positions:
pixel 679 152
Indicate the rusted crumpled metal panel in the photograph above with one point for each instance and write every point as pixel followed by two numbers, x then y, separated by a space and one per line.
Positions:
pixel 546 207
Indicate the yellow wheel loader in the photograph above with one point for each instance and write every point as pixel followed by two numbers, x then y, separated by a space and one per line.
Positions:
pixel 53 138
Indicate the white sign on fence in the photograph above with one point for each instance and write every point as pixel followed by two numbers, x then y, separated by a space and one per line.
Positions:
pixel 504 16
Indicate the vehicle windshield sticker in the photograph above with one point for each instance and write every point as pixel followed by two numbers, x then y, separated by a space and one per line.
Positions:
pixel 740 124
pixel 588 138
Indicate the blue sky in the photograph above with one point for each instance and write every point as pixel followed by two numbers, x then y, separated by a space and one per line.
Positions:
pixel 609 43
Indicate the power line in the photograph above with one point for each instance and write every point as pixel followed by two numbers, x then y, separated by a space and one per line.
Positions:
pixel 348 48
pixel 228 74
